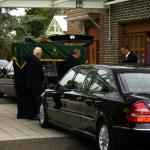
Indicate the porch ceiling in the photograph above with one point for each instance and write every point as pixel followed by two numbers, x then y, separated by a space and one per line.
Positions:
pixel 58 3
pixel 52 3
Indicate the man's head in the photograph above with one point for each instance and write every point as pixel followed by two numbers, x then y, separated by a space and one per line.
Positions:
pixel 37 52
pixel 125 49
pixel 76 53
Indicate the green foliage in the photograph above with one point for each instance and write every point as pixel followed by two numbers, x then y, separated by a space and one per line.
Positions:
pixel 38 20
pixel 15 29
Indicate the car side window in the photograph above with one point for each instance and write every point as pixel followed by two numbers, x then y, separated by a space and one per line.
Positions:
pixel 88 80
pixel 80 78
pixel 102 82
pixel 49 68
pixel 67 79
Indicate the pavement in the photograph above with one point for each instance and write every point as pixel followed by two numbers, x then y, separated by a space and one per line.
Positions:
pixel 24 134
pixel 12 128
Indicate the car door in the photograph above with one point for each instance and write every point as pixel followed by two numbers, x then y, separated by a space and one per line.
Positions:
pixel 7 81
pixel 56 99
pixel 99 90
pixel 71 99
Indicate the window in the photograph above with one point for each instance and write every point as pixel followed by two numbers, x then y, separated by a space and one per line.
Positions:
pixel 102 82
pixel 88 80
pixel 54 28
pixel 49 68
pixel 136 82
pixel 79 80
pixel 67 79
pixel 136 42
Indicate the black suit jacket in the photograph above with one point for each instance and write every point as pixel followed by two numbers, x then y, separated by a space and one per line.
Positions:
pixel 131 58
pixel 35 74
pixel 19 76
pixel 72 62
pixel 63 67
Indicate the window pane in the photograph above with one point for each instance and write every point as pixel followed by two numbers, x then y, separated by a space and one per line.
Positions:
pixel 101 82
pixel 88 80
pixel 131 42
pixel 142 41
pixel 78 82
pixel 137 82
pixel 69 76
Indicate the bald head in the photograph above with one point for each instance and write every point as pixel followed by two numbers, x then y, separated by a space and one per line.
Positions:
pixel 38 52
pixel 76 53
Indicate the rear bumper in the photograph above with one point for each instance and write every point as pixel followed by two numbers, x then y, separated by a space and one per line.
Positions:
pixel 140 135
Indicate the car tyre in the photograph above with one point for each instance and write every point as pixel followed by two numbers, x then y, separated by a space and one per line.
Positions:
pixel 104 137
pixel 43 118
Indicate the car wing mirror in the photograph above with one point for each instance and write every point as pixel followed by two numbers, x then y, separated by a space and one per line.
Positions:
pixel 61 89
pixel 51 86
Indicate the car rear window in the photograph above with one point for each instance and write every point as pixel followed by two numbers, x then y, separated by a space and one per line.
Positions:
pixel 136 82
pixel 3 63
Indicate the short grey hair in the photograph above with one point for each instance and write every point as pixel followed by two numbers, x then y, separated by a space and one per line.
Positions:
pixel 37 50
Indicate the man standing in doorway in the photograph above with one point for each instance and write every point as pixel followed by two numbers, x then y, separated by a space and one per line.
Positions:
pixel 129 57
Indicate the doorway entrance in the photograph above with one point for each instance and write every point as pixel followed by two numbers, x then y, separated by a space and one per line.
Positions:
pixel 137 37
pixel 93 50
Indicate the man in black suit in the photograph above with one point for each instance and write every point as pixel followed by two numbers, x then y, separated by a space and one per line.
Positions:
pixel 73 60
pixel 34 82
pixel 21 92
pixel 129 57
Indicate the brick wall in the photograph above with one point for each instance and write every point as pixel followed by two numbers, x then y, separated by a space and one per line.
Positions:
pixel 125 12
pixel 77 26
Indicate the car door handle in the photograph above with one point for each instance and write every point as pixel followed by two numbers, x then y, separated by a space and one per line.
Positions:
pixel 98 102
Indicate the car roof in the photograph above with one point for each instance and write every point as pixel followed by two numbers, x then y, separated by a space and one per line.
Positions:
pixel 3 63
pixel 120 67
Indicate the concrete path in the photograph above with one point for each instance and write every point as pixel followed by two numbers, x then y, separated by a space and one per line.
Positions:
pixel 12 128
pixel 24 134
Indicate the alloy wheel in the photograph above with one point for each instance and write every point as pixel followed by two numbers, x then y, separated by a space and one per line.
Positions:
pixel 41 114
pixel 104 138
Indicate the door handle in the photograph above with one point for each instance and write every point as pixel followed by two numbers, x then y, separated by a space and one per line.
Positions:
pixel 98 102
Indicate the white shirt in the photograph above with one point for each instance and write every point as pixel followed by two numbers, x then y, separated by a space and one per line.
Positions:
pixel 127 54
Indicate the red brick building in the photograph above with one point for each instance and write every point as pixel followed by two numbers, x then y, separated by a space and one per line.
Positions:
pixel 116 24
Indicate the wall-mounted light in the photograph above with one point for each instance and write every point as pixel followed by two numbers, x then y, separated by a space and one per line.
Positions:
pixel 79 4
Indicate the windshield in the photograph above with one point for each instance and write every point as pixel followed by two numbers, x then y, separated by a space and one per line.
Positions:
pixel 136 82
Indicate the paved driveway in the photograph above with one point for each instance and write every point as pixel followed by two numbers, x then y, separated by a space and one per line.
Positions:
pixel 24 134
pixel 12 128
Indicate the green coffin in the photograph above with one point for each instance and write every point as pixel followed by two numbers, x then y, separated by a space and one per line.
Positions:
pixel 51 52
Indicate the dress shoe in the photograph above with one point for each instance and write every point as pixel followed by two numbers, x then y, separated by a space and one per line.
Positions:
pixel 21 117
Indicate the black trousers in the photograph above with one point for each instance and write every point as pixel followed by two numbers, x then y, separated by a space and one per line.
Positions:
pixel 22 101
pixel 33 102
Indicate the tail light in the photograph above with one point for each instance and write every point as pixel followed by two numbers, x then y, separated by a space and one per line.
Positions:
pixel 139 113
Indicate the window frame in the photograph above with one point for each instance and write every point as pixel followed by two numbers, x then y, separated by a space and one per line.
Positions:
pixel 112 83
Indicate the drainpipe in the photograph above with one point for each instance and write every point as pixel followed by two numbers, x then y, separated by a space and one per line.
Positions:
pixel 109 25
